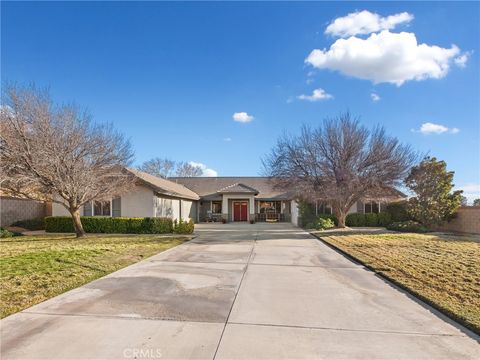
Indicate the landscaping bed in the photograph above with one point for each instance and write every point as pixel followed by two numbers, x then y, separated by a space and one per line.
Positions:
pixel 36 268
pixel 442 270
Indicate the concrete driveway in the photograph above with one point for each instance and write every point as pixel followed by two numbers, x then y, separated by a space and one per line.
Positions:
pixel 237 291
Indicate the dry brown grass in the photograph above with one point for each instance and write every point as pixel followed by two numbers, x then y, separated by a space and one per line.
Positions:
pixel 443 271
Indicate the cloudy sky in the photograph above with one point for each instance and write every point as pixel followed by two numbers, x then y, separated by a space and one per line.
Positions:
pixel 217 83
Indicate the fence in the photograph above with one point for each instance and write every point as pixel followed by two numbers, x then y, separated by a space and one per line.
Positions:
pixel 466 221
pixel 12 209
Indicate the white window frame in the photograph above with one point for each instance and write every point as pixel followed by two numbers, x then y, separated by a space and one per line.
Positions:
pixel 92 208
pixel 371 202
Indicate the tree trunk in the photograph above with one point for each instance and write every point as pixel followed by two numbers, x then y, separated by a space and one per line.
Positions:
pixel 341 216
pixel 77 223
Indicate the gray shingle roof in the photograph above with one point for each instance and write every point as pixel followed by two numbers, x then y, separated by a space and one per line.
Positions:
pixel 211 187
pixel 238 188
pixel 164 186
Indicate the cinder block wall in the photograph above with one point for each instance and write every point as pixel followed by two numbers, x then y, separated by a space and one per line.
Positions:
pixel 12 210
pixel 467 221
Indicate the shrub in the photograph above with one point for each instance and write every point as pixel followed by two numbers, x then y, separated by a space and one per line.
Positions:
pixel 31 224
pixel 111 225
pixel 183 227
pixel 310 225
pixel 371 220
pixel 408 226
pixel 384 219
pixel 324 223
pixel 398 211
pixel 4 233
pixel 329 216
pixel 356 219
pixel 306 212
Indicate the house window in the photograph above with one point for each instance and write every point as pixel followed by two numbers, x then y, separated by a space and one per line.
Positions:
pixel 323 208
pixel 116 207
pixel 371 207
pixel 87 209
pixel 216 207
pixel 270 207
pixel 101 208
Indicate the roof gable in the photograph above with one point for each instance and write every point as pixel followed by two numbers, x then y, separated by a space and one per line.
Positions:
pixel 210 187
pixel 238 188
pixel 164 186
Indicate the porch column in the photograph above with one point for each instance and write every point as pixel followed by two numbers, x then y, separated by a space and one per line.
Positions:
pixel 224 204
pixel 251 201
pixel 225 210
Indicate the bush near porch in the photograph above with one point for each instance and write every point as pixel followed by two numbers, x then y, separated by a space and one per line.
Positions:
pixel 119 225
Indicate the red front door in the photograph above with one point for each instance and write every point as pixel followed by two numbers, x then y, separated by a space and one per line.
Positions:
pixel 240 211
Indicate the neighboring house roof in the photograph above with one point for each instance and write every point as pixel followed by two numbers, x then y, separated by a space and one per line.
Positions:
pixel 212 187
pixel 238 188
pixel 164 186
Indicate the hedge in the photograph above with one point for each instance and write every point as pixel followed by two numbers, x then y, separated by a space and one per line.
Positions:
pixel 31 224
pixel 118 225
pixel 398 211
pixel 183 227
pixel 408 226
pixel 355 219
pixel 368 220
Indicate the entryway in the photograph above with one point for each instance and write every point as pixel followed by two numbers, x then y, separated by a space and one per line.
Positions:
pixel 240 210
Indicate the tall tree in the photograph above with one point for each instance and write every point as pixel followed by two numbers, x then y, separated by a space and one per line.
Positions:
pixel 56 153
pixel 339 162
pixel 476 202
pixel 158 167
pixel 185 169
pixel 432 184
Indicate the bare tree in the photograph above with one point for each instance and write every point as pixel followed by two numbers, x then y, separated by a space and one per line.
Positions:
pixel 340 162
pixel 186 169
pixel 55 153
pixel 158 167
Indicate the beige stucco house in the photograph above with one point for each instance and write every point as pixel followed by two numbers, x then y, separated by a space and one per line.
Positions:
pixel 214 199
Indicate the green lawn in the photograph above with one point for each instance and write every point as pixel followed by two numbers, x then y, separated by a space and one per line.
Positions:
pixel 36 268
pixel 441 270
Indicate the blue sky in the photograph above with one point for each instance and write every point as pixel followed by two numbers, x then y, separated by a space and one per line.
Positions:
pixel 172 75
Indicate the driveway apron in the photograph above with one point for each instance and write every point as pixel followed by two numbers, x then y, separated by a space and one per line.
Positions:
pixel 237 291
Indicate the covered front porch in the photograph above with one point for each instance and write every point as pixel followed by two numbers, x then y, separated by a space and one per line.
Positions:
pixel 244 208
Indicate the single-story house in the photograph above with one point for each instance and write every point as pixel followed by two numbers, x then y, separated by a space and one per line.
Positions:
pixel 213 199
pixel 151 197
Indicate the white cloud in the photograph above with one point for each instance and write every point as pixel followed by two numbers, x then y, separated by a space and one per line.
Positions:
pixel 242 117
pixel 385 57
pixel 461 61
pixel 227 139
pixel 375 97
pixel 205 170
pixel 429 128
pixel 309 81
pixel 317 95
pixel 471 191
pixel 365 22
